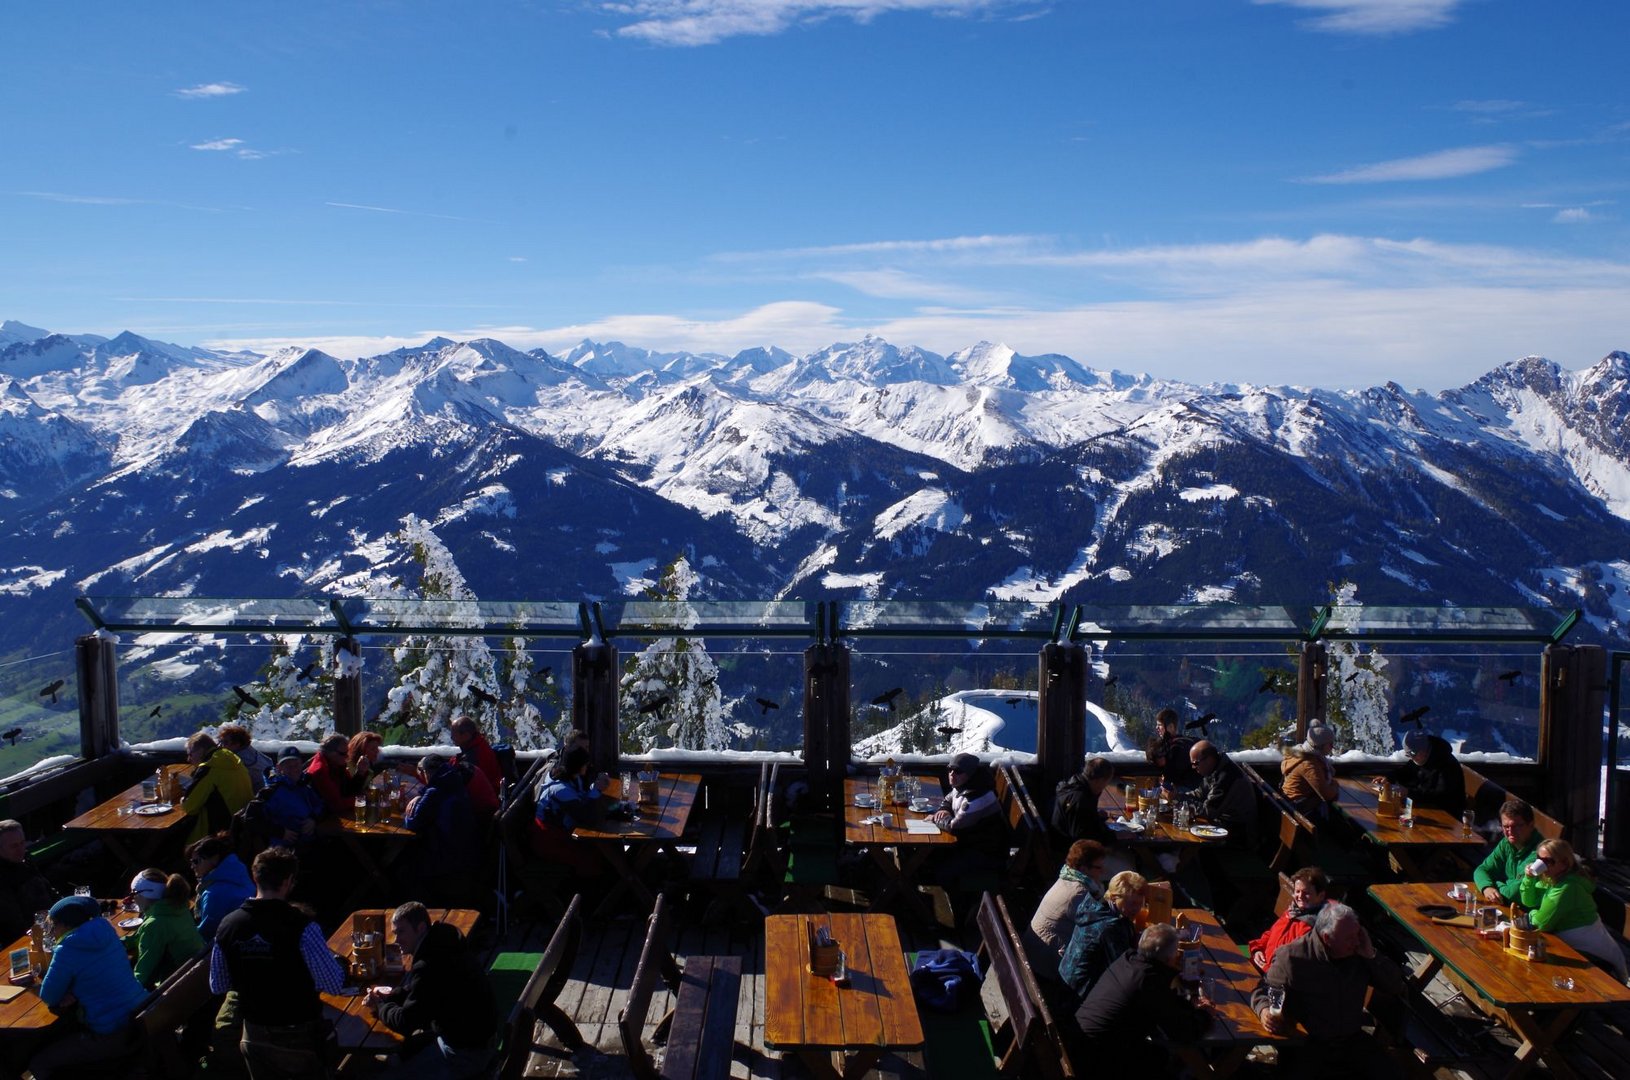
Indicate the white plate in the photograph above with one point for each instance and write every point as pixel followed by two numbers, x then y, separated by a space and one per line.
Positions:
pixel 1461 899
pixel 1121 825
pixel 131 923
pixel 154 809
pixel 923 806
pixel 1209 832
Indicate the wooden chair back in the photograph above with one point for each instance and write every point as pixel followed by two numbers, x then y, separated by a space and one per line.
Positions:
pixel 1033 1046
pixel 166 1011
pixel 537 1000
pixel 655 962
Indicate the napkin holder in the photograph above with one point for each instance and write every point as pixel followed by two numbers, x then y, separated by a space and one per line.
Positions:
pixel 170 789
pixel 1157 901
pixel 824 954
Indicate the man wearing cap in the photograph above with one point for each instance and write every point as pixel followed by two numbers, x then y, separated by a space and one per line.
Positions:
pixel 1309 778
pixel 1432 776
pixel 290 806
pixel 971 813
pixel 89 973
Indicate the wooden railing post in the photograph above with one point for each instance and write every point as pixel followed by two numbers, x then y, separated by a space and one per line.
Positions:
pixel 96 664
pixel 826 721
pixel 1061 712
pixel 1311 669
pixel 1572 697
pixel 348 688
pixel 595 677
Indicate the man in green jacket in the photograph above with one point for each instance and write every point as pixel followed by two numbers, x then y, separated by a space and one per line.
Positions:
pixel 1499 877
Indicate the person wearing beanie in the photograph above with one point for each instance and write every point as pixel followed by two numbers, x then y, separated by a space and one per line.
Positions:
pixel 166 938
pixel 971 813
pixel 90 970
pixel 1309 781
pixel 1432 776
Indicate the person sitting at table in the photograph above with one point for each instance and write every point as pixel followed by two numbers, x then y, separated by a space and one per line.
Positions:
pixel 24 890
pixel 449 838
pixel 567 800
pixel 1309 889
pixel 166 938
pixel 1308 779
pixel 235 737
pixel 1079 880
pixel 1075 803
pixel 1169 752
pixel 362 754
pixel 444 1007
pixel 89 974
pixel 1226 797
pixel 971 813
pixel 1432 777
pixel 474 749
pixel 1325 977
pixel 1104 929
pixel 1499 876
pixel 219 787
pixel 223 882
pixel 289 806
pixel 1133 1013
pixel 1561 895
pixel 330 775
pixel 271 961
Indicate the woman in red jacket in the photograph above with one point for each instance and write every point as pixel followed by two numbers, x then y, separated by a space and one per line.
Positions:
pixel 1309 889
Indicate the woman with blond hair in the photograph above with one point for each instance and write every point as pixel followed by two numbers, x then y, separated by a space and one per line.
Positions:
pixel 1562 898
pixel 1104 931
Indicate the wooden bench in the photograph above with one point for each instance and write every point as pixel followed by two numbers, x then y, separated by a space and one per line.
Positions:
pixel 537 1000
pixel 733 853
pixel 1027 1042
pixel 1027 832
pixel 700 1028
pixel 1485 798
pixel 163 1019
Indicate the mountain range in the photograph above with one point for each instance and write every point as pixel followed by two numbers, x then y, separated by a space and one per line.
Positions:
pixel 135 467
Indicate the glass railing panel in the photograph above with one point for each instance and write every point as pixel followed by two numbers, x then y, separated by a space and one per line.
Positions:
pixel 180 614
pixel 696 695
pixel 1178 621
pixel 1370 620
pixel 945 617
pixel 39 709
pixel 711 617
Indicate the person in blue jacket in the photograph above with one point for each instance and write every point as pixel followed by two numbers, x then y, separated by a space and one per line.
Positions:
pixel 290 805
pixel 223 882
pixel 448 839
pixel 89 973
pixel 567 800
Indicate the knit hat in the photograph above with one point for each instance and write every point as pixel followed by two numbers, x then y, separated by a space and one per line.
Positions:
pixel 291 752
pixel 966 763
pixel 1320 734
pixel 146 888
pixel 74 911
pixel 1416 741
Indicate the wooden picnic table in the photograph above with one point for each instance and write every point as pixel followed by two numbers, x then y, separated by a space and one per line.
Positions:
pixel 130 826
pixel 629 846
pixel 374 847
pixel 1523 995
pixel 900 851
pixel 25 1012
pixel 1406 849
pixel 1235 1026
pixel 356 1028
pixel 838 1031
pixel 1113 803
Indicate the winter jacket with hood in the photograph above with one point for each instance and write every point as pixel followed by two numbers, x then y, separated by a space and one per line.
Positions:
pixel 1309 779
pixel 90 963
pixel 1102 934
pixel 164 941
pixel 220 788
pixel 1440 783
pixel 221 892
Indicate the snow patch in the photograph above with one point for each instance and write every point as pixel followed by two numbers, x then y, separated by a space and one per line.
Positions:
pixel 1212 491
pixel 22 580
pixel 634 578
pixel 930 508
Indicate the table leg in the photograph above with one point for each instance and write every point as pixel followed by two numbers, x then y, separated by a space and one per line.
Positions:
pixel 625 875
pixel 1538 1040
pixel 900 878
pixel 838 1064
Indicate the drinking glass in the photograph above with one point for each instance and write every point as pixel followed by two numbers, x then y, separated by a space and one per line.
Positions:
pixel 82 890
pixel 362 809
pixel 1468 823
pixel 1276 1000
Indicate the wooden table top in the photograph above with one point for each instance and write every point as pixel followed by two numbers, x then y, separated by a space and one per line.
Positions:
pixel 1358 799
pixel 803 1011
pixel 1234 979
pixel 26 1012
pixel 664 822
pixel 355 1026
pixel 1113 802
pixel 347 824
pixel 106 817
pixel 854 832
pixel 1505 980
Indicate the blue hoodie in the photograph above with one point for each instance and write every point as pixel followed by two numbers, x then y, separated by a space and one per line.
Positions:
pixel 445 822
pixel 291 803
pixel 223 891
pixel 90 963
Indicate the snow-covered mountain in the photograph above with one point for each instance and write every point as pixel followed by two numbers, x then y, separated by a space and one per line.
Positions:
pixel 129 466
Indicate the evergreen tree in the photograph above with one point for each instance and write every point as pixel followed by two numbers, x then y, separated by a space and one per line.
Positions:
pixel 1357 692
pixel 296 700
pixel 670 689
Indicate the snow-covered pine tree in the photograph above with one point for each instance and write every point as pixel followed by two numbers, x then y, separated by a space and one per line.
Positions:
pixel 1357 691
pixel 438 675
pixel 670 690
pixel 522 721
pixel 296 700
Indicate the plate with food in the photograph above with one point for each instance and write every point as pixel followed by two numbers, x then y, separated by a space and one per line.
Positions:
pixel 1122 825
pixel 1209 832
pixel 154 809
pixel 130 922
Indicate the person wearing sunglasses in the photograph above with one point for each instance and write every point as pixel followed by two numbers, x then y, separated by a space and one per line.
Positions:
pixel 1561 895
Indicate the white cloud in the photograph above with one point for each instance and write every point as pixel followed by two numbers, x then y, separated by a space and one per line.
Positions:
pixel 1573 215
pixel 83 200
pixel 707 22
pixel 1373 16
pixel 210 90
pixel 218 144
pixel 1440 165
pixel 889 284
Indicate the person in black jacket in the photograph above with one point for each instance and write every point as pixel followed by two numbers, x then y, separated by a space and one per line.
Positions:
pixel 1169 752
pixel 1134 1012
pixel 446 855
pixel 444 1007
pixel 24 891
pixel 1432 775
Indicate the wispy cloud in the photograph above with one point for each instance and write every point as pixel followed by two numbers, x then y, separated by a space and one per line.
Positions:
pixel 1373 16
pixel 1440 165
pixel 217 144
pixel 1573 215
pixel 707 22
pixel 210 90
pixel 404 213
pixel 83 200
pixel 892 284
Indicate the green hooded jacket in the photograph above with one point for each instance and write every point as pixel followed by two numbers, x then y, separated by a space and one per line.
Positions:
pixel 1564 904
pixel 1503 867
pixel 166 939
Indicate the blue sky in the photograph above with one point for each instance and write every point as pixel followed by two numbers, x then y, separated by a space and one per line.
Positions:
pixel 1334 192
